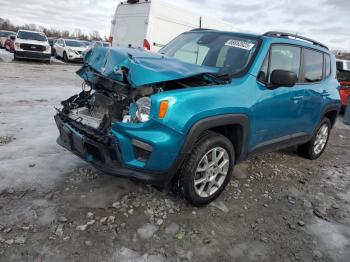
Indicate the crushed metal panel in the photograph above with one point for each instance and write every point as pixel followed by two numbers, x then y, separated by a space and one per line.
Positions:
pixel 141 67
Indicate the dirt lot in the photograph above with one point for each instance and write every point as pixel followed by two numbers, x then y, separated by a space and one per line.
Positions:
pixel 54 207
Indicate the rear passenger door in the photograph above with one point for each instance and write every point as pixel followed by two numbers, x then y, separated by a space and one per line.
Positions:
pixel 278 110
pixel 316 68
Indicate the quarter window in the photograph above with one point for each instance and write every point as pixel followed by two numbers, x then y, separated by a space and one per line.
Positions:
pixel 313 66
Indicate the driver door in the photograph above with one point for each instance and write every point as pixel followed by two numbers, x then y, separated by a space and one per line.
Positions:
pixel 278 111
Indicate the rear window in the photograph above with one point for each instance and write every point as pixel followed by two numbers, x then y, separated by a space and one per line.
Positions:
pixel 340 65
pixel 343 75
pixel 31 36
pixel 313 66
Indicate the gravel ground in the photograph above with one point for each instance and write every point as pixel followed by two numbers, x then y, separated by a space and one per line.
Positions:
pixel 54 207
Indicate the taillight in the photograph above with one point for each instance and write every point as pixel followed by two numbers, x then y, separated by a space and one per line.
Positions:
pixel 110 40
pixel 146 45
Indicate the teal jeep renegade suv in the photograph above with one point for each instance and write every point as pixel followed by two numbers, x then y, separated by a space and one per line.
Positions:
pixel 206 101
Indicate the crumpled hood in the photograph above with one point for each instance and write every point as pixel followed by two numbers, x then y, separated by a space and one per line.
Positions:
pixel 143 68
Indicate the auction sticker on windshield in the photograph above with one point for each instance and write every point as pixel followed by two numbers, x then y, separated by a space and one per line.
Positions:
pixel 240 44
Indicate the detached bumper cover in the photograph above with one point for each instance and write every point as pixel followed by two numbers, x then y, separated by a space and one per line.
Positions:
pixel 104 154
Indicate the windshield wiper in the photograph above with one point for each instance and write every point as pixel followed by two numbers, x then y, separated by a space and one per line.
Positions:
pixel 219 78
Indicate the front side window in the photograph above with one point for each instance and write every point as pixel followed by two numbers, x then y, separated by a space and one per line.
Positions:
pixel 31 36
pixel 280 57
pixel 230 53
pixel 313 66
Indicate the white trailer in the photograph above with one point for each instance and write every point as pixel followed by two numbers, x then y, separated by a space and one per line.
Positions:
pixel 152 24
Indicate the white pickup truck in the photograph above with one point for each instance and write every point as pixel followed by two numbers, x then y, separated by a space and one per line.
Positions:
pixel 152 24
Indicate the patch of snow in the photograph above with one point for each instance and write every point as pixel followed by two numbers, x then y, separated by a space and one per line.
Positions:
pixel 28 94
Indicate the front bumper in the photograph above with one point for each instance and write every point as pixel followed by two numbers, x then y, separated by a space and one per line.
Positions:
pixel 32 55
pixel 105 155
pixel 75 57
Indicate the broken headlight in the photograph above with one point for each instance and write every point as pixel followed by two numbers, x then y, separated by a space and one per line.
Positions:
pixel 143 109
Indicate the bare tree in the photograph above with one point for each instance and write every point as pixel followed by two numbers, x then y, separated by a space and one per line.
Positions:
pixel 95 35
pixel 6 24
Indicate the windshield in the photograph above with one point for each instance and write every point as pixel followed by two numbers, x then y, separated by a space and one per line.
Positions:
pixel 6 34
pixel 229 52
pixel 75 43
pixel 31 36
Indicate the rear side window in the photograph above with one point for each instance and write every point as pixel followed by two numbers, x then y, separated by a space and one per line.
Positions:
pixel 328 64
pixel 313 66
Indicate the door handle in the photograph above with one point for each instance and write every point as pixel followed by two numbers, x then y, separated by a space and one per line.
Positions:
pixel 325 94
pixel 297 98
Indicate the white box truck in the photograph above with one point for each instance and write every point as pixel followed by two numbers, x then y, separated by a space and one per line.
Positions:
pixel 151 24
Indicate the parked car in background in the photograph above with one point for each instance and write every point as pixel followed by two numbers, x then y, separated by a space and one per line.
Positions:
pixel 344 89
pixel 52 42
pixel 3 37
pixel 32 45
pixel 98 44
pixel 87 43
pixel 150 24
pixel 185 116
pixel 69 49
pixel 10 43
pixel 343 64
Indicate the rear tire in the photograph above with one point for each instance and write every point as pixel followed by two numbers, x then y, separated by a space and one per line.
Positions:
pixel 316 146
pixel 203 177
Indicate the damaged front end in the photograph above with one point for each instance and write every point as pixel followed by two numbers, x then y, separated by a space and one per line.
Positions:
pixel 110 125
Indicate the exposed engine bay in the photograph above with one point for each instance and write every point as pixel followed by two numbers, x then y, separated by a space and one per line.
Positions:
pixel 106 101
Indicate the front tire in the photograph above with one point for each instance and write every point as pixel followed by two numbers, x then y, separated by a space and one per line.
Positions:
pixel 207 169
pixel 316 146
pixel 65 57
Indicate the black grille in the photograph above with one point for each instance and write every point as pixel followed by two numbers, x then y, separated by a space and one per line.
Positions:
pixel 30 47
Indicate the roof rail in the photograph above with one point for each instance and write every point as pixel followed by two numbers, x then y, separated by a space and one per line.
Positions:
pixel 284 34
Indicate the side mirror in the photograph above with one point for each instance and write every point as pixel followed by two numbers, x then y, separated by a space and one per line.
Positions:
pixel 283 78
pixel 12 37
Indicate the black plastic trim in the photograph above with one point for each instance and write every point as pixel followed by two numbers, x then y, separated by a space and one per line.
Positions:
pixel 280 143
pixel 205 124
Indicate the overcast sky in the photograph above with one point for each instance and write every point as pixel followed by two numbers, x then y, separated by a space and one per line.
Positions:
pixel 325 20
